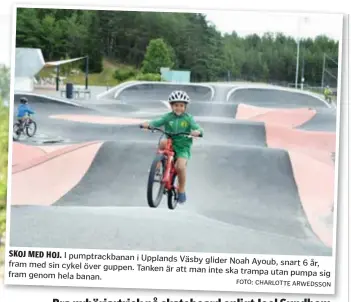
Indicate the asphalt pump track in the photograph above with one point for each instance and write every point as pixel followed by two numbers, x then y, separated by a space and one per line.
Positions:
pixel 261 181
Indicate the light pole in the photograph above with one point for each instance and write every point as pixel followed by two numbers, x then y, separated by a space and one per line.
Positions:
pixel 297 62
pixel 304 20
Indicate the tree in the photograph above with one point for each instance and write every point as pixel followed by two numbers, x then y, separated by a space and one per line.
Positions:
pixel 93 45
pixel 4 82
pixel 180 40
pixel 158 55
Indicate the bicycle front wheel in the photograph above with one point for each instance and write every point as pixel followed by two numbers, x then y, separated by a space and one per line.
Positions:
pixel 172 195
pixel 31 128
pixel 157 170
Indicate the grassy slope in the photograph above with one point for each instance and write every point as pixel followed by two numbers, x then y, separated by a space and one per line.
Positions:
pixel 3 175
pixel 2 257
pixel 105 78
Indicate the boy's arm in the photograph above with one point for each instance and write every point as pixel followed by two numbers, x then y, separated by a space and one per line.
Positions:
pixel 156 123
pixel 195 126
pixel 28 110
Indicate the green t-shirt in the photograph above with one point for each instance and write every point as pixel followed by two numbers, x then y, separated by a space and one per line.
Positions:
pixel 176 124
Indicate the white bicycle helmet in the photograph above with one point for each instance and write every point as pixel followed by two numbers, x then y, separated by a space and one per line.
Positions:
pixel 179 96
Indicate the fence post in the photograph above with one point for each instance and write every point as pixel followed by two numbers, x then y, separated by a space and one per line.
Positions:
pixel 322 84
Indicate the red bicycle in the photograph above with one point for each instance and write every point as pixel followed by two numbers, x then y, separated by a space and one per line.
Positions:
pixel 163 171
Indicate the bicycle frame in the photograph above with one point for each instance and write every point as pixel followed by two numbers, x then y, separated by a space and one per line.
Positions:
pixel 169 153
pixel 170 168
pixel 26 120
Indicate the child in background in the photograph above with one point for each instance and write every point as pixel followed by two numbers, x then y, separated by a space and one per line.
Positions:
pixel 23 111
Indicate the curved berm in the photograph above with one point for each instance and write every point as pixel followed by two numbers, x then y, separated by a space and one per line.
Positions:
pixel 261 180
pixel 150 91
pixel 274 97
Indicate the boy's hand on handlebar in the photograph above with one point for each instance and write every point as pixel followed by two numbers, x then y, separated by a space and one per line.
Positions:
pixel 195 133
pixel 144 125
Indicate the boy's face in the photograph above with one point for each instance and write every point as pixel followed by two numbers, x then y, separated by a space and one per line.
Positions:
pixel 178 108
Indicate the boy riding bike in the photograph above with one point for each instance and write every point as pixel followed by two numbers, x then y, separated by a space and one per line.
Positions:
pixel 23 111
pixel 175 122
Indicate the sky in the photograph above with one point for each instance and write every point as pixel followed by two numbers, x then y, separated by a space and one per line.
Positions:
pixel 243 23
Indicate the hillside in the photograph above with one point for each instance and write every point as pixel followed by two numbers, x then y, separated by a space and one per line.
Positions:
pixel 192 42
pixel 103 78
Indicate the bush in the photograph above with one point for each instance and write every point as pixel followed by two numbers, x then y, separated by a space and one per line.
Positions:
pixel 123 74
pixel 148 77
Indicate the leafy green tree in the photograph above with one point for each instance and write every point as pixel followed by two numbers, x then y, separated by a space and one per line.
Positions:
pixel 157 55
pixel 93 48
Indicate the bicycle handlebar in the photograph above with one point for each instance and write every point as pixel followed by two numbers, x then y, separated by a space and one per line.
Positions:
pixel 167 133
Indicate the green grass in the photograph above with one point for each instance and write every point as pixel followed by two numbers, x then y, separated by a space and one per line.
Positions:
pixel 2 246
pixel 4 113
pixel 2 217
pixel 2 260
pixel 2 254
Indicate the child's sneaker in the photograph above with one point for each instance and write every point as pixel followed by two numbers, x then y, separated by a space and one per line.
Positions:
pixel 181 197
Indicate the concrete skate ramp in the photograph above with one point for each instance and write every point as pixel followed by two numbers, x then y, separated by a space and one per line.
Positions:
pixel 143 105
pixel 124 228
pixel 45 101
pixel 240 199
pixel 159 91
pixel 28 62
pixel 118 162
pixel 290 117
pixel 212 109
pixel 234 133
pixel 45 106
pixel 120 107
pixel 249 187
pixel 67 166
pixel 324 120
pixel 274 98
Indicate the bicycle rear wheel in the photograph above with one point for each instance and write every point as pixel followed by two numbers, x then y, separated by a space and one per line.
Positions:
pixel 155 177
pixel 16 132
pixel 31 128
pixel 172 195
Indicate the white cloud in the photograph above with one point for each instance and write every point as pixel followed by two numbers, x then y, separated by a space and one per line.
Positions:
pixel 247 22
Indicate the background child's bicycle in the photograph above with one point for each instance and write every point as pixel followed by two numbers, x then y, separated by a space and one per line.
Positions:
pixel 28 127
